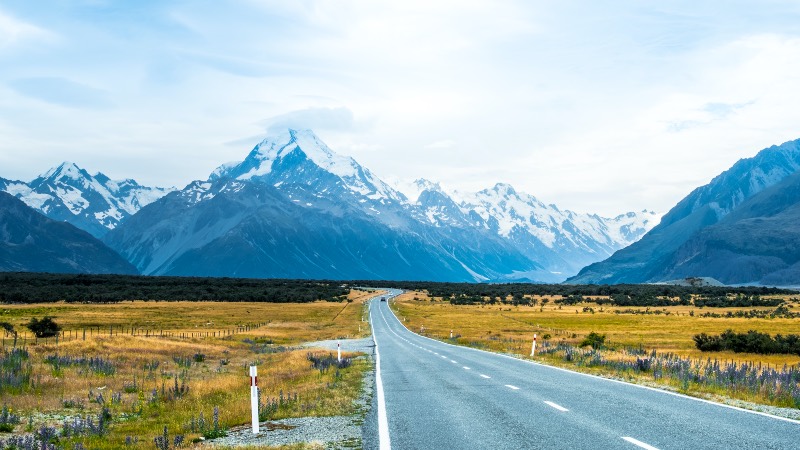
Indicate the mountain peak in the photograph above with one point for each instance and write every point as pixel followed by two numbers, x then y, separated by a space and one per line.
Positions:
pixel 65 170
pixel 427 185
pixel 297 157
pixel 504 188
pixel 274 148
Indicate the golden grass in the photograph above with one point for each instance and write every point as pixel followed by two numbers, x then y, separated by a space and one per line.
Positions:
pixel 220 380
pixel 672 333
pixel 510 329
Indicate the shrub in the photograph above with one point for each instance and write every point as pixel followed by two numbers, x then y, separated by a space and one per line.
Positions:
pixel 595 340
pixel 750 342
pixel 44 328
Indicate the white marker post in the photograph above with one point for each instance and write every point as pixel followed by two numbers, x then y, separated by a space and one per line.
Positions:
pixel 451 334
pixel 254 396
pixel 338 351
pixel 533 347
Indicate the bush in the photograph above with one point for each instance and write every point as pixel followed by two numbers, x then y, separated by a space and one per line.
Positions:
pixel 44 328
pixel 597 341
pixel 750 342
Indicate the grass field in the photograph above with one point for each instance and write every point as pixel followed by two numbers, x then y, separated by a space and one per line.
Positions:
pixel 631 332
pixel 147 382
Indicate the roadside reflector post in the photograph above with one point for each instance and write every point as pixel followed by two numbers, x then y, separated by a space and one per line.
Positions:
pixel 254 396
pixel 338 351
pixel 533 347
pixel 451 334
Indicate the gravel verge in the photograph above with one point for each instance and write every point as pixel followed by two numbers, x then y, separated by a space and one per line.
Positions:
pixel 365 345
pixel 330 433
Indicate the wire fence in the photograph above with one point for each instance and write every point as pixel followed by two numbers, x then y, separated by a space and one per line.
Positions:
pixel 24 338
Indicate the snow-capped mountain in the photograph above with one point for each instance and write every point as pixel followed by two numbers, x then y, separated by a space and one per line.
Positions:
pixel 247 228
pixel 672 245
pixel 564 241
pixel 294 199
pixel 93 203
pixel 300 156
pixel 299 164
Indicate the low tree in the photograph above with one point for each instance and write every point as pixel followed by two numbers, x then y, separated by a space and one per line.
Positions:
pixel 44 328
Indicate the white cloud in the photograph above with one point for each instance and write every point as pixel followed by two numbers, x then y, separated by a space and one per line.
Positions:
pixel 322 119
pixel 14 31
pixel 593 106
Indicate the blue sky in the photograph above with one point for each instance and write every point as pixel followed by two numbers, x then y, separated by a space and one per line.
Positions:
pixel 595 106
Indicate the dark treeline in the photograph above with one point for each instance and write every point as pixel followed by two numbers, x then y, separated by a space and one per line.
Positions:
pixel 618 295
pixel 45 288
pixel 39 287
pixel 750 342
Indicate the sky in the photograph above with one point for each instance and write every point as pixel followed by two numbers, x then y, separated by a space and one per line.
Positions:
pixel 600 107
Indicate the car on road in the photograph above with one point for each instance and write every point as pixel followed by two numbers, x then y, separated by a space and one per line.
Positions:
pixel 383 299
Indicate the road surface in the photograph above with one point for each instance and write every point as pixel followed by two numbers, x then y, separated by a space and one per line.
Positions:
pixel 431 395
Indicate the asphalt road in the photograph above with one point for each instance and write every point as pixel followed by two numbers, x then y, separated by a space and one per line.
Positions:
pixel 431 395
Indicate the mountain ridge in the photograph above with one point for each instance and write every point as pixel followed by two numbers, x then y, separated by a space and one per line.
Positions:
pixel 705 206
pixel 93 203
pixel 496 234
pixel 31 242
pixel 297 165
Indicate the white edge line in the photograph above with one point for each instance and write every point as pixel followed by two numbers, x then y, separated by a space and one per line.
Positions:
pixel 383 422
pixel 674 394
pixel 639 443
pixel 556 406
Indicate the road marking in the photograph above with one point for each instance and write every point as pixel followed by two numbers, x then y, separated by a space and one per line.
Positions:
pixel 453 362
pixel 466 368
pixel 512 387
pixel 383 422
pixel 443 357
pixel 485 376
pixel 556 406
pixel 611 380
pixel 639 443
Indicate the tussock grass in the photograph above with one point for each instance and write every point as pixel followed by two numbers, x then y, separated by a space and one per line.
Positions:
pixel 145 369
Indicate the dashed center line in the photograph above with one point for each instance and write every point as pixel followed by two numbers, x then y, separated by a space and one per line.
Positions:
pixel 466 368
pixel 639 443
pixel 443 357
pixel 556 406
pixel 485 376
pixel 453 362
pixel 512 387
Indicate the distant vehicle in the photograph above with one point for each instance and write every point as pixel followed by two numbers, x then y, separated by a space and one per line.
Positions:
pixel 383 299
